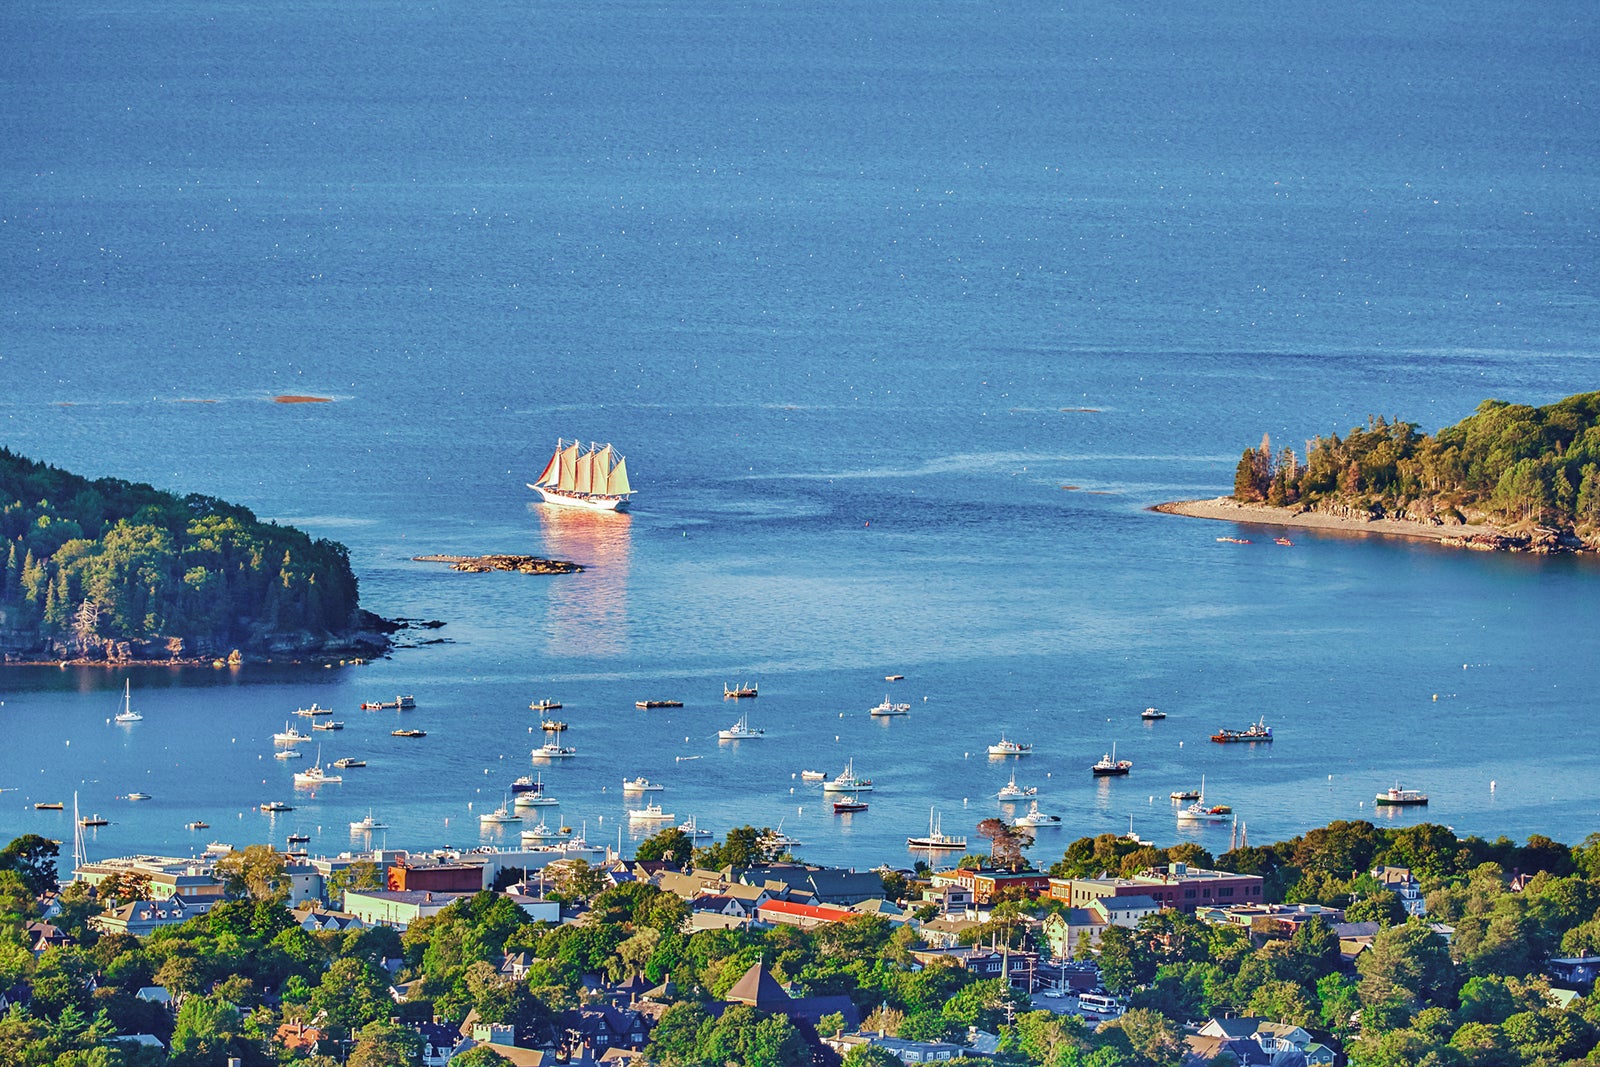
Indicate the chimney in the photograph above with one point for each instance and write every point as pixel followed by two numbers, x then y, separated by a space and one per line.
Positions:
pixel 428 897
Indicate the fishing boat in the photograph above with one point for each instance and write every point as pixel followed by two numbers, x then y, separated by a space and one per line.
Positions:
pixel 288 753
pixel 640 784
pixel 740 731
pixel 544 705
pixel 275 806
pixel 49 805
pixel 314 775
pixel 534 800
pixel 847 782
pixel 888 707
pixel 651 812
pixel 367 825
pixel 1256 731
pixel 1200 811
pixel 691 829
pixel 936 838
pixel 648 704
pixel 813 776
pixel 1151 714
pixel 408 733
pixel 596 479
pixel 738 692
pixel 1109 765
pixel 1185 794
pixel 845 807
pixel 94 820
pixel 328 724
pixel 349 761
pixel 197 825
pixel 313 711
pixel 127 714
pixel 1011 791
pixel 552 726
pixel 1004 747
pixel 545 834
pixel 528 784
pixel 1034 817
pixel 1395 797
pixel 499 815
pixel 553 750
pixel 289 735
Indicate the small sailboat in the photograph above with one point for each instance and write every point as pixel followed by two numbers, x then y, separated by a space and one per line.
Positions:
pixel 1201 812
pixel 314 775
pixel 127 714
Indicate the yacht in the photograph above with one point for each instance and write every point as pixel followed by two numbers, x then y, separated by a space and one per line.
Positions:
pixel 553 750
pixel 1035 817
pixel 314 775
pixel 888 707
pixel 641 784
pixel 127 714
pixel 1110 766
pixel 651 812
pixel 847 782
pixel 1004 747
pixel 1012 792
pixel 544 834
pixel 936 839
pixel 367 825
pixel 740 731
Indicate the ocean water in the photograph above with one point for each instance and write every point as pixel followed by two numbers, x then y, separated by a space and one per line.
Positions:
pixel 902 317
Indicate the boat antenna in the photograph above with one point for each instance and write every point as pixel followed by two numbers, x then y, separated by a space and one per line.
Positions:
pixel 80 849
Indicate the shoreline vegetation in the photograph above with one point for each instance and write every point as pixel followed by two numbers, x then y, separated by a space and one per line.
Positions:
pixel 501 562
pixel 1508 478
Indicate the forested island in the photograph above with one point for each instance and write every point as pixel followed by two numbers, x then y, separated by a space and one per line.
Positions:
pixel 1528 477
pixel 117 571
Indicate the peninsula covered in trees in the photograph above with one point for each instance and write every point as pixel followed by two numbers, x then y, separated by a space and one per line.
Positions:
pixel 1509 465
pixel 116 570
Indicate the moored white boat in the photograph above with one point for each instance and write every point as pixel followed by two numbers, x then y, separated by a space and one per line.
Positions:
pixel 540 799
pixel 1007 747
pixel 545 834
pixel 1396 797
pixel 847 782
pixel 692 830
pixel 1033 817
pixel 1108 765
pixel 290 735
pixel 127 714
pixel 554 750
pixel 889 707
pixel 367 825
pixel 740 731
pixel 1012 792
pixel 651 812
pixel 640 784
pixel 499 815
pixel 936 839
pixel 314 775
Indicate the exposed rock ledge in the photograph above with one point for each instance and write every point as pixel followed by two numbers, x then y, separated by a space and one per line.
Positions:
pixel 520 564
pixel 1538 540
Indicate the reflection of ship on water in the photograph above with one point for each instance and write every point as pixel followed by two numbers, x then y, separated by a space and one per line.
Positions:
pixel 591 612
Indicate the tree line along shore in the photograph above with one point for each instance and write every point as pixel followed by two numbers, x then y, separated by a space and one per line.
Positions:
pixel 1509 477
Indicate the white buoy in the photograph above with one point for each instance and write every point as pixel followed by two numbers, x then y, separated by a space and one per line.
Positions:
pixel 1491 785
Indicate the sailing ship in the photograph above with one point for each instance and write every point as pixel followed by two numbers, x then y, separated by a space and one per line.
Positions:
pixel 127 714
pixel 596 479
pixel 937 838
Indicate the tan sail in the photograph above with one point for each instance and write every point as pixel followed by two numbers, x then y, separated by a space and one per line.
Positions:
pixel 552 470
pixel 585 482
pixel 618 482
pixel 569 468
pixel 602 471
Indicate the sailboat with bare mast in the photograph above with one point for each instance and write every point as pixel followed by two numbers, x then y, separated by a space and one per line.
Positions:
pixel 596 479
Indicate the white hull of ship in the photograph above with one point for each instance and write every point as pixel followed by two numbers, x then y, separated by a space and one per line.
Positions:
pixel 575 500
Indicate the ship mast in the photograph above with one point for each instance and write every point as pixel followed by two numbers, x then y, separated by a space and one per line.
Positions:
pixel 80 850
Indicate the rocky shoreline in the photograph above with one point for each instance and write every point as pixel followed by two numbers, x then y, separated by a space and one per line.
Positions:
pixel 1473 536
pixel 519 564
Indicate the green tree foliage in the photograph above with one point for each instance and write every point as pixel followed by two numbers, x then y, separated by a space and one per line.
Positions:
pixel 33 859
pixel 1510 462
pixel 86 562
pixel 670 844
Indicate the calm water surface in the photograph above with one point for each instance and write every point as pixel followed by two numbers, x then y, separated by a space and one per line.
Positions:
pixel 902 318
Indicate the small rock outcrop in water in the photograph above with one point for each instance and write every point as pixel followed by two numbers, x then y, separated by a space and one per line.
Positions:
pixel 520 564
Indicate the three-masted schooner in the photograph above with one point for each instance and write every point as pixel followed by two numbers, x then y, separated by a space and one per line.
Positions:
pixel 596 479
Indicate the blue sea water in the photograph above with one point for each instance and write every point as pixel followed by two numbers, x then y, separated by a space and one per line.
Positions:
pixel 859 291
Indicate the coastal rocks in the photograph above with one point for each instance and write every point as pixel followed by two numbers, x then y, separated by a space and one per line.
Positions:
pixel 1539 542
pixel 520 564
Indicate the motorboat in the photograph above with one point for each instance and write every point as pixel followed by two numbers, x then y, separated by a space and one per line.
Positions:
pixel 776 841
pixel 1034 817
pixel 850 806
pixel 740 731
pixel 367 825
pixel 936 839
pixel 138 796
pixel 527 784
pixel 499 815
pixel 1011 792
pixel 545 834
pixel 1109 765
pixel 847 782
pixel 889 707
pixel 552 726
pixel 1006 747
pixel 1202 812
pixel 274 806
pixel 127 714
pixel 288 753
pixel 553 750
pixel 641 784
pixel 812 776
pixel 218 848
pixel 540 799
pixel 1151 714
pixel 1185 794
pixel 349 761
pixel 408 733
pixel 1395 797
pixel 290 735
pixel 651 812
pixel 198 824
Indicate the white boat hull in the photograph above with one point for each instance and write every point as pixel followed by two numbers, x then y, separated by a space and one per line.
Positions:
pixel 590 502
